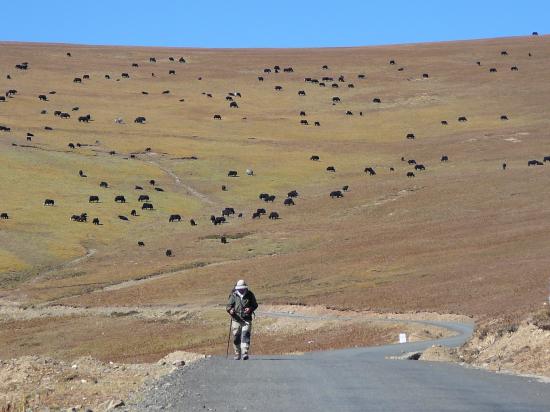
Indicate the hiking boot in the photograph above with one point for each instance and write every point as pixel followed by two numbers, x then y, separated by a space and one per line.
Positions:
pixel 245 356
pixel 238 356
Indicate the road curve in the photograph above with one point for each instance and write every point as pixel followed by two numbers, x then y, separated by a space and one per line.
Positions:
pixel 359 379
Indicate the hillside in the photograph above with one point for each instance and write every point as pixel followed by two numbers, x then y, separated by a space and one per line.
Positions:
pixel 462 236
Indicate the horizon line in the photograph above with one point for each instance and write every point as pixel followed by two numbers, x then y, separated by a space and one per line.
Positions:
pixel 431 42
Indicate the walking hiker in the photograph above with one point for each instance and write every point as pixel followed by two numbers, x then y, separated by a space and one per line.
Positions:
pixel 241 306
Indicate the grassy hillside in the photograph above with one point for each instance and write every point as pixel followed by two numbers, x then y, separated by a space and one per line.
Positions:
pixel 462 236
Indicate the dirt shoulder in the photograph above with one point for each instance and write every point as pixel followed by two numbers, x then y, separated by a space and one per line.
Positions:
pixel 85 383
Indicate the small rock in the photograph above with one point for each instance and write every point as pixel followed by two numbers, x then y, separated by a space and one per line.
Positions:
pixel 115 404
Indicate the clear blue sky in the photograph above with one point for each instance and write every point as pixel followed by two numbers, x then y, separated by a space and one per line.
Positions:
pixel 268 23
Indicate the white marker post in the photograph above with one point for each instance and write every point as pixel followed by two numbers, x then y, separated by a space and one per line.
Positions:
pixel 402 338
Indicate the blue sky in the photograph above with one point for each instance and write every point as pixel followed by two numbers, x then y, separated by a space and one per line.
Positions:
pixel 268 23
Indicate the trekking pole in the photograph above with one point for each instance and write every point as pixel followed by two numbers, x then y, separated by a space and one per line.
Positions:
pixel 228 338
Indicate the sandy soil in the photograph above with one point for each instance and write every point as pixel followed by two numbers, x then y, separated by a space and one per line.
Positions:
pixel 38 382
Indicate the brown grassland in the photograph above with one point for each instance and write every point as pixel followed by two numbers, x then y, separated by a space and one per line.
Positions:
pixel 463 236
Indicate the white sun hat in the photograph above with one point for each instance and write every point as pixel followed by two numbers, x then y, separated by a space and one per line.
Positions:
pixel 241 284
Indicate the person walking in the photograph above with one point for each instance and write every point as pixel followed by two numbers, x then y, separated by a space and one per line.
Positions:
pixel 241 306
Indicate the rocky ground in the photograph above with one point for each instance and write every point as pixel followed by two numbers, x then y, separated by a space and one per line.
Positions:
pixel 42 383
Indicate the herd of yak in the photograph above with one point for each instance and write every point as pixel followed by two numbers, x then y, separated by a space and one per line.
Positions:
pixel 334 82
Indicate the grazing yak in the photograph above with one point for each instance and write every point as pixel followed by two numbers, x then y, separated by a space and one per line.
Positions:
pixel 411 161
pixel 278 88
pixel 462 119
pixel 140 119
pixel 85 119
pixel 492 70
pixel 376 100
pixel 71 145
pixel 104 185
pixel 217 117
pixel 122 217
pixel 147 206
pixel 143 198
pixel 159 189
pixel 410 174
pixel 49 202
pixel 120 199
pixel 43 97
pixel 317 123
pixel 292 193
pixel 138 187
pixel 444 122
pixel 228 211
pixel 331 169
pixel 314 158
pixel 256 215
pixel 133 212
pixel 444 158
pixel 233 105
pixel 125 75
pixel 273 216
pixel 534 163
pixel 370 171
pixel 93 199
pixel 503 117
pixel 232 173
pixel 171 72
pixel 304 122
pixel 419 167
pixel 81 173
pixel 95 221
pixel 192 222
pixel 301 93
pixel 218 220
pixel 288 202
pixel 4 216
pixel 249 172
pixel 174 218
pixel 223 239
pixel 141 244
pixel 168 253
pixel 336 194
pixel 345 188
pixel 546 159
pixel 77 80
pixel 411 136
pixel 152 182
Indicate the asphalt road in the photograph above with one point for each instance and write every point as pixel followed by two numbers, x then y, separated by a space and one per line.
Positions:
pixel 359 379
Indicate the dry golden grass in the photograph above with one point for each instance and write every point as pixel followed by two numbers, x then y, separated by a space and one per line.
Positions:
pixel 462 237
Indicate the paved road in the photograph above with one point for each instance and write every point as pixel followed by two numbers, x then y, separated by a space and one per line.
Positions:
pixel 346 380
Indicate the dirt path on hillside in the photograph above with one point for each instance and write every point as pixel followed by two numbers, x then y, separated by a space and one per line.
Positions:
pixel 190 190
pixel 46 271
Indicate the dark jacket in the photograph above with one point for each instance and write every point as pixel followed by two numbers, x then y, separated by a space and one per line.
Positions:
pixel 239 304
